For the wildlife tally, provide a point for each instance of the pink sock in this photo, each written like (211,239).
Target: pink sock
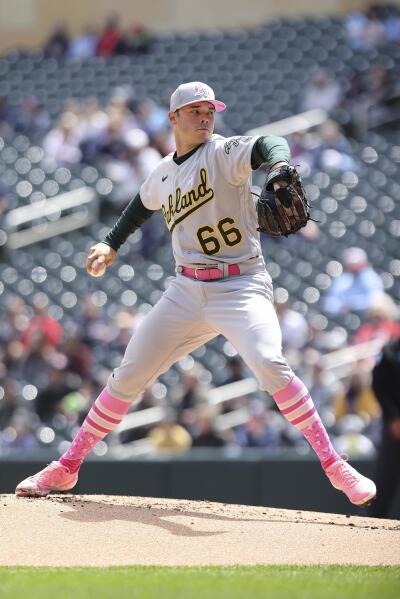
(295,403)
(106,412)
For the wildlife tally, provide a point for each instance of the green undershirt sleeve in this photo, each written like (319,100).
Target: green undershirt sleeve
(133,217)
(269,149)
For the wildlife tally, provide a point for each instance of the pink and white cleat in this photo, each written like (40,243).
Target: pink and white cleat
(55,477)
(358,488)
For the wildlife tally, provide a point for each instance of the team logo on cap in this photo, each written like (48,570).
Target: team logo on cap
(200,90)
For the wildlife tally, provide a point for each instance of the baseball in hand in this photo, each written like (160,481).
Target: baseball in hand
(98,269)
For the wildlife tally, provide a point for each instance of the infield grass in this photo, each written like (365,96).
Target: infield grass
(255,582)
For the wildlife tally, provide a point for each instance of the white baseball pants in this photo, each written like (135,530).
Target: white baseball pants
(192,312)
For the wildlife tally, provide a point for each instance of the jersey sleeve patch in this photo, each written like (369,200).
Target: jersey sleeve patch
(233,157)
(234,143)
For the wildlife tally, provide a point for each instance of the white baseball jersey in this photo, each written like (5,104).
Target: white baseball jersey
(208,207)
(207,202)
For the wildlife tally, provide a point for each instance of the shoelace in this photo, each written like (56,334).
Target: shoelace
(345,472)
(49,468)
(53,466)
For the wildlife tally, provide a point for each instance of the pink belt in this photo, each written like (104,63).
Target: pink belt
(209,273)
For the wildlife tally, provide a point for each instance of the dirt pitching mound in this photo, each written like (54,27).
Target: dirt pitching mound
(100,530)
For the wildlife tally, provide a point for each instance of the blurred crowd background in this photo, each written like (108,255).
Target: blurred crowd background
(92,112)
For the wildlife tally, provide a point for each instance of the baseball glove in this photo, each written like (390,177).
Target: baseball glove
(286,210)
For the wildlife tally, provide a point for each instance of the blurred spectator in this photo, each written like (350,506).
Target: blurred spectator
(140,154)
(351,438)
(294,327)
(62,143)
(164,141)
(48,328)
(325,149)
(322,390)
(355,28)
(382,95)
(57,44)
(191,391)
(109,38)
(15,321)
(356,288)
(356,398)
(49,399)
(132,168)
(37,361)
(152,118)
(126,139)
(321,92)
(260,430)
(386,385)
(72,106)
(31,117)
(8,401)
(94,119)
(354,106)
(391,23)
(78,355)
(235,370)
(137,40)
(8,116)
(168,435)
(96,326)
(204,431)
(301,147)
(365,29)
(382,321)
(84,46)
(13,357)
(334,152)
(111,141)
(18,436)
(126,322)
(104,131)
(370,99)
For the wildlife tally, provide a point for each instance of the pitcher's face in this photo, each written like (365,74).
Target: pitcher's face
(193,124)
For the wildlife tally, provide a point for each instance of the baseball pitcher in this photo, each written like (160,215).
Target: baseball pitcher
(221,286)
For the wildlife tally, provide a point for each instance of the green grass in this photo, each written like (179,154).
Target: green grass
(277,582)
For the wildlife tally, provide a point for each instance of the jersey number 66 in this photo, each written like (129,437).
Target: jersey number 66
(210,244)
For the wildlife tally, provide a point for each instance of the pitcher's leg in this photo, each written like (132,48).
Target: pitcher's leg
(296,405)
(257,337)
(170,331)
(159,342)
(104,415)
(164,336)
(108,410)
(253,328)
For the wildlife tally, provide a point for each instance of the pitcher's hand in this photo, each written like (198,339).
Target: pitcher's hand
(100,256)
